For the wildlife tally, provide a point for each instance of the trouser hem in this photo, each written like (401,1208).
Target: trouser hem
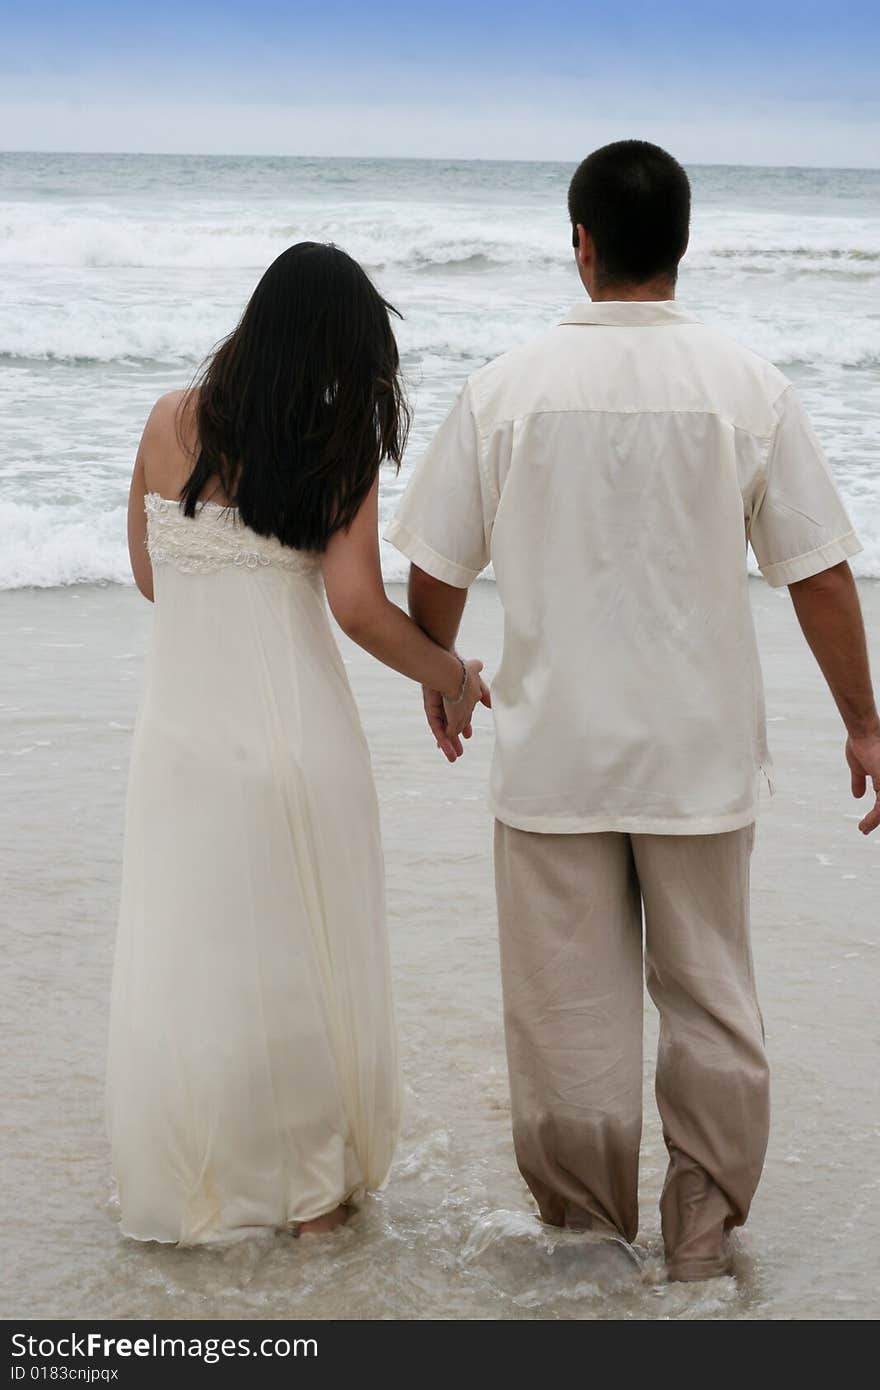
(689,1271)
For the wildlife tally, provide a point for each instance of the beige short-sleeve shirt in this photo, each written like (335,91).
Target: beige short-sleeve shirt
(613,470)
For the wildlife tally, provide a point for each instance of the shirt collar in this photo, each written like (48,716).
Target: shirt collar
(628,313)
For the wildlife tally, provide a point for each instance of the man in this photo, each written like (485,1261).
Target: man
(613,471)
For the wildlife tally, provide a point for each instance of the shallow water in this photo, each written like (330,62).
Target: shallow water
(453,1235)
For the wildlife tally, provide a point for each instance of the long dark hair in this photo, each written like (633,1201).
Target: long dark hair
(299,406)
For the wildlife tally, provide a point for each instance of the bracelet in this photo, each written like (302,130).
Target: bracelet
(464,680)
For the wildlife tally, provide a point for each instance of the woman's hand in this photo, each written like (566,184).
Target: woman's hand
(459,711)
(451,720)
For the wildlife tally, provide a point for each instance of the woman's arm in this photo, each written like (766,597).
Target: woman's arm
(137,528)
(357,598)
(164,460)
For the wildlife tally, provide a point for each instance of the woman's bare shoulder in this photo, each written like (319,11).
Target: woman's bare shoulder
(173,413)
(168,444)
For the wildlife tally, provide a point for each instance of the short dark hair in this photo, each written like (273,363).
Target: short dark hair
(635,201)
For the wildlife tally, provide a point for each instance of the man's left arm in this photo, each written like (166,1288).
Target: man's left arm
(802,537)
(830,615)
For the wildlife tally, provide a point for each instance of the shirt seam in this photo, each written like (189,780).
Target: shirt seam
(486,480)
(771,440)
(636,410)
(787,386)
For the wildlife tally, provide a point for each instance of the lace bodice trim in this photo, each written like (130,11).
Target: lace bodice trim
(214,538)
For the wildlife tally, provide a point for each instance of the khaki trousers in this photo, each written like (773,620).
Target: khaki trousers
(570,917)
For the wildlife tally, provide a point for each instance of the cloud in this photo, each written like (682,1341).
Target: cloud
(754,133)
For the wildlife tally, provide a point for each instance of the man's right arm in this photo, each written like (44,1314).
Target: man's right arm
(830,615)
(442,528)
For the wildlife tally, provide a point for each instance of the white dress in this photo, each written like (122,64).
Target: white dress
(252,1072)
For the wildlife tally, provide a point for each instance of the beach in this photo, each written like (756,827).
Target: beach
(453,1235)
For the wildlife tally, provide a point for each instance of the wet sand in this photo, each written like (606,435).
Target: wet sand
(452,1235)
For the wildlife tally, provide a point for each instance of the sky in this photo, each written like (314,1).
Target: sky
(743,82)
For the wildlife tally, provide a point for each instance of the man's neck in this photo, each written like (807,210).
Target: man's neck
(651,290)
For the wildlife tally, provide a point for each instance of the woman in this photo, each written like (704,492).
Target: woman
(252,1079)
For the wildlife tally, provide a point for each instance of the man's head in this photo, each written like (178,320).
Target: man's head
(630,206)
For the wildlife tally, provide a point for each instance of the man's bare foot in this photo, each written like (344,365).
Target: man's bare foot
(320,1225)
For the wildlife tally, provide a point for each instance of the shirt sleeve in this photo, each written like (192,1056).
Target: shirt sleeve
(444,522)
(799,525)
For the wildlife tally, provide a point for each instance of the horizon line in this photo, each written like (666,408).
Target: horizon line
(419,159)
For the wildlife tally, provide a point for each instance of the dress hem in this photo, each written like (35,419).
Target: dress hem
(214,1235)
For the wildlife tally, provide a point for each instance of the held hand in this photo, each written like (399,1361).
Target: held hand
(449,741)
(436,717)
(459,712)
(863,756)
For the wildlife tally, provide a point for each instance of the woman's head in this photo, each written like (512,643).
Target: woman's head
(300,405)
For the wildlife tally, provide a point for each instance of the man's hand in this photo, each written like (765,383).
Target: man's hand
(863,756)
(448,734)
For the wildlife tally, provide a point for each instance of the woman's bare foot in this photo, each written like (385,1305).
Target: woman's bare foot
(319,1225)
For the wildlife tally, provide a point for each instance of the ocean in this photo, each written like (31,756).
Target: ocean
(121,271)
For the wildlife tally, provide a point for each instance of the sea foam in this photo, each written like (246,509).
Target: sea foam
(410,235)
(46,547)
